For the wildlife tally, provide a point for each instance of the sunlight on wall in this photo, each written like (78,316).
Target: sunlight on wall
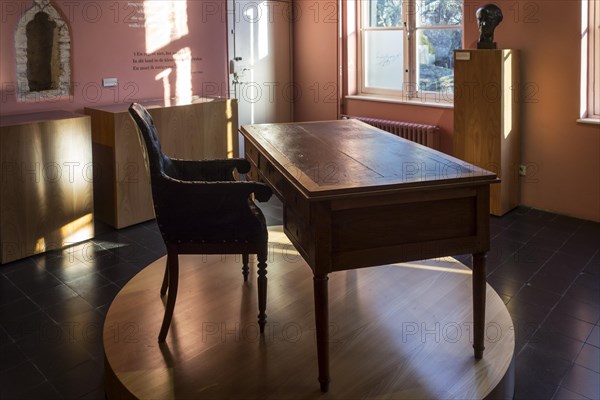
(166,21)
(350,58)
(263,31)
(164,75)
(507,98)
(252,94)
(258,18)
(583,89)
(230,130)
(183,84)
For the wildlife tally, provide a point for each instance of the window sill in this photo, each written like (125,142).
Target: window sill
(591,121)
(396,100)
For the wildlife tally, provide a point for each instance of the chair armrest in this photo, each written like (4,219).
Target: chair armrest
(174,190)
(178,203)
(209,170)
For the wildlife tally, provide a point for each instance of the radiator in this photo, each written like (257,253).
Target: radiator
(427,135)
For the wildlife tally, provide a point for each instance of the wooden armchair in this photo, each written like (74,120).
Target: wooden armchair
(201,209)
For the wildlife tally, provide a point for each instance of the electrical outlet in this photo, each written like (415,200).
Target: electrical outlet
(522,170)
(110,82)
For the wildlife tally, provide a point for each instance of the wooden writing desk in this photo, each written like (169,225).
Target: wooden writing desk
(355,196)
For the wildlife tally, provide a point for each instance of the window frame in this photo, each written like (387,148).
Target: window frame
(410,27)
(593,64)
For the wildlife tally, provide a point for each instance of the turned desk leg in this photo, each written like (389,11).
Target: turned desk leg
(322,324)
(479,295)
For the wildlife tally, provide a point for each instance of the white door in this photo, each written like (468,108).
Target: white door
(260,60)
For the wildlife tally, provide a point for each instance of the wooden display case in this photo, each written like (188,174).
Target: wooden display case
(486,119)
(202,129)
(46,191)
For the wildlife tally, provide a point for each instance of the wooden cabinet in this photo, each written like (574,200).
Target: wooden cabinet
(486,119)
(46,190)
(202,129)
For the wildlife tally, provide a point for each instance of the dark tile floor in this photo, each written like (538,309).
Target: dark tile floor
(546,267)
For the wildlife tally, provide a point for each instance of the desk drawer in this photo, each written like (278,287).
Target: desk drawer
(251,152)
(268,171)
(252,175)
(285,190)
(262,169)
(295,201)
(296,226)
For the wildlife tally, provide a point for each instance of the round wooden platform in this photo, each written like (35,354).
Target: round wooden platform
(397,332)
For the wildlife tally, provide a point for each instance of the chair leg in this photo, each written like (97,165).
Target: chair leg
(245,269)
(262,289)
(173,267)
(165,282)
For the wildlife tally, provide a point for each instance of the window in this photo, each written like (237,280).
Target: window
(407,47)
(590,59)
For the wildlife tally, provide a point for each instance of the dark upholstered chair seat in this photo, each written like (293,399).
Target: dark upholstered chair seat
(201,209)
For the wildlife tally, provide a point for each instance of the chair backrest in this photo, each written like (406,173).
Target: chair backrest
(155,160)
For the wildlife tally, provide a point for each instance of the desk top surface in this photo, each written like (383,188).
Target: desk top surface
(331,158)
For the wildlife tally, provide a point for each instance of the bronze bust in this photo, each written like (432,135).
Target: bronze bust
(489,17)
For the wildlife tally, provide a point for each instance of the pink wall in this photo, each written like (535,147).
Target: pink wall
(104,46)
(563,156)
(316,60)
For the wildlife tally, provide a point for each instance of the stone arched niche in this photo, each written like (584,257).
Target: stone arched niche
(43,51)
